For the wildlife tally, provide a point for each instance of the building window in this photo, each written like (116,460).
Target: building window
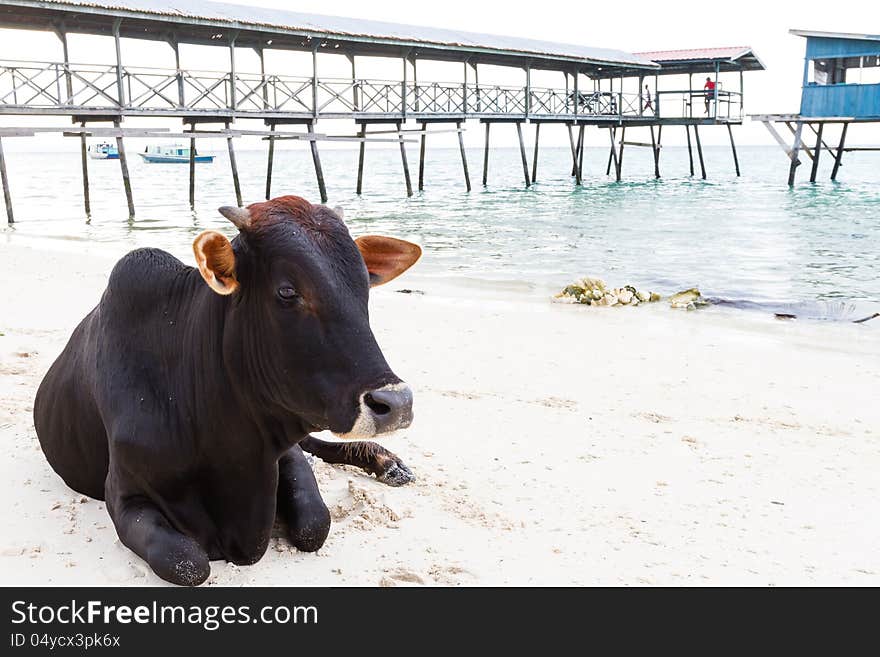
(843,70)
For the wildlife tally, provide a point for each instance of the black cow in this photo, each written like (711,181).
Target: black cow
(185,397)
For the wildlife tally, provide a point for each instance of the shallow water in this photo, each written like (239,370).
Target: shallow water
(750,238)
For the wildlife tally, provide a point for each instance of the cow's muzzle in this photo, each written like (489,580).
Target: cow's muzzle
(382,410)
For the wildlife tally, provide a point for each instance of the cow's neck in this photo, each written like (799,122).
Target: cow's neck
(228,385)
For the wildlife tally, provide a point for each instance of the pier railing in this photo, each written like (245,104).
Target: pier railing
(66,88)
(697,104)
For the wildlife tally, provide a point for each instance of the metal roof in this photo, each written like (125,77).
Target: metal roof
(703,60)
(835,35)
(143,17)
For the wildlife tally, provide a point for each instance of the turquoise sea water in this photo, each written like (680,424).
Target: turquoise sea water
(749,238)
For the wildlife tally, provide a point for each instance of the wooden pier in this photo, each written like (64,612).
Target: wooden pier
(599,88)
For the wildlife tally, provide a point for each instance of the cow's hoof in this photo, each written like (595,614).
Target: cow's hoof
(397,474)
(184,565)
(310,529)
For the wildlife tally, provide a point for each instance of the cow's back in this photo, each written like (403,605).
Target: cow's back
(67,418)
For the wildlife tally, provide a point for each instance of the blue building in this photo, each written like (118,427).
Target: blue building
(841,75)
(841,87)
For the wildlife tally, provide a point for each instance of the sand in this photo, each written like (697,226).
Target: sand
(552,444)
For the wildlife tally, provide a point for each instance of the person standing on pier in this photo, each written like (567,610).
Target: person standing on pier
(709,88)
(649,105)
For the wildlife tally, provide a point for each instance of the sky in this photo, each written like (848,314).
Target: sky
(635,26)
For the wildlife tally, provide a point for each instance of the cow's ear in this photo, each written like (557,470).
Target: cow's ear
(216,261)
(386,257)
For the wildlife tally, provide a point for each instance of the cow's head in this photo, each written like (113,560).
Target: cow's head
(297,335)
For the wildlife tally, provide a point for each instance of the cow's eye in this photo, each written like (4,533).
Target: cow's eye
(287,293)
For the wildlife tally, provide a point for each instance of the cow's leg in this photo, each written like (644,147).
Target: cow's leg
(369,456)
(173,556)
(299,502)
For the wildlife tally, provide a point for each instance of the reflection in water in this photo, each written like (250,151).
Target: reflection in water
(747,238)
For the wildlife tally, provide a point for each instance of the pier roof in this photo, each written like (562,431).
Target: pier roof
(704,60)
(198,21)
(835,35)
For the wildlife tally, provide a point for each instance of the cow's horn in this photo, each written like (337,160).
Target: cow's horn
(238,216)
(340,212)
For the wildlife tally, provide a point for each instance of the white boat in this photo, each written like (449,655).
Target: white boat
(172,153)
(103,151)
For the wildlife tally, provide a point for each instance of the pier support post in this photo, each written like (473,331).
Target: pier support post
(612,132)
(700,151)
(123,165)
(422,157)
(656,150)
(316,159)
(687,130)
(535,155)
(486,156)
(839,155)
(4,179)
(612,154)
(579,156)
(733,149)
(409,191)
(574,153)
(362,133)
(795,149)
(816,153)
(581,149)
(270,163)
(659,147)
(84,157)
(192,168)
(620,154)
(464,164)
(234,167)
(522,153)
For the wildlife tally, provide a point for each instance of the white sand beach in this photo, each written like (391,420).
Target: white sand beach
(552,444)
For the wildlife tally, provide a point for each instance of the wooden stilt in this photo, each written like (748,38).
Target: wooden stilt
(659,147)
(795,149)
(612,154)
(362,133)
(192,169)
(574,152)
(612,132)
(422,158)
(839,155)
(464,164)
(620,154)
(687,129)
(816,153)
(522,152)
(123,165)
(269,164)
(535,155)
(234,167)
(4,179)
(316,159)
(581,150)
(700,151)
(656,152)
(733,149)
(84,157)
(403,160)
(486,156)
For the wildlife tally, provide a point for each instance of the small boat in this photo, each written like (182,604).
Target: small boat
(173,153)
(103,151)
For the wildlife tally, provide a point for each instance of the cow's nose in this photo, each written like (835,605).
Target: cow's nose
(390,406)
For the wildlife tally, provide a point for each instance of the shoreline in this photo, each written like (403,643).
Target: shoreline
(552,445)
